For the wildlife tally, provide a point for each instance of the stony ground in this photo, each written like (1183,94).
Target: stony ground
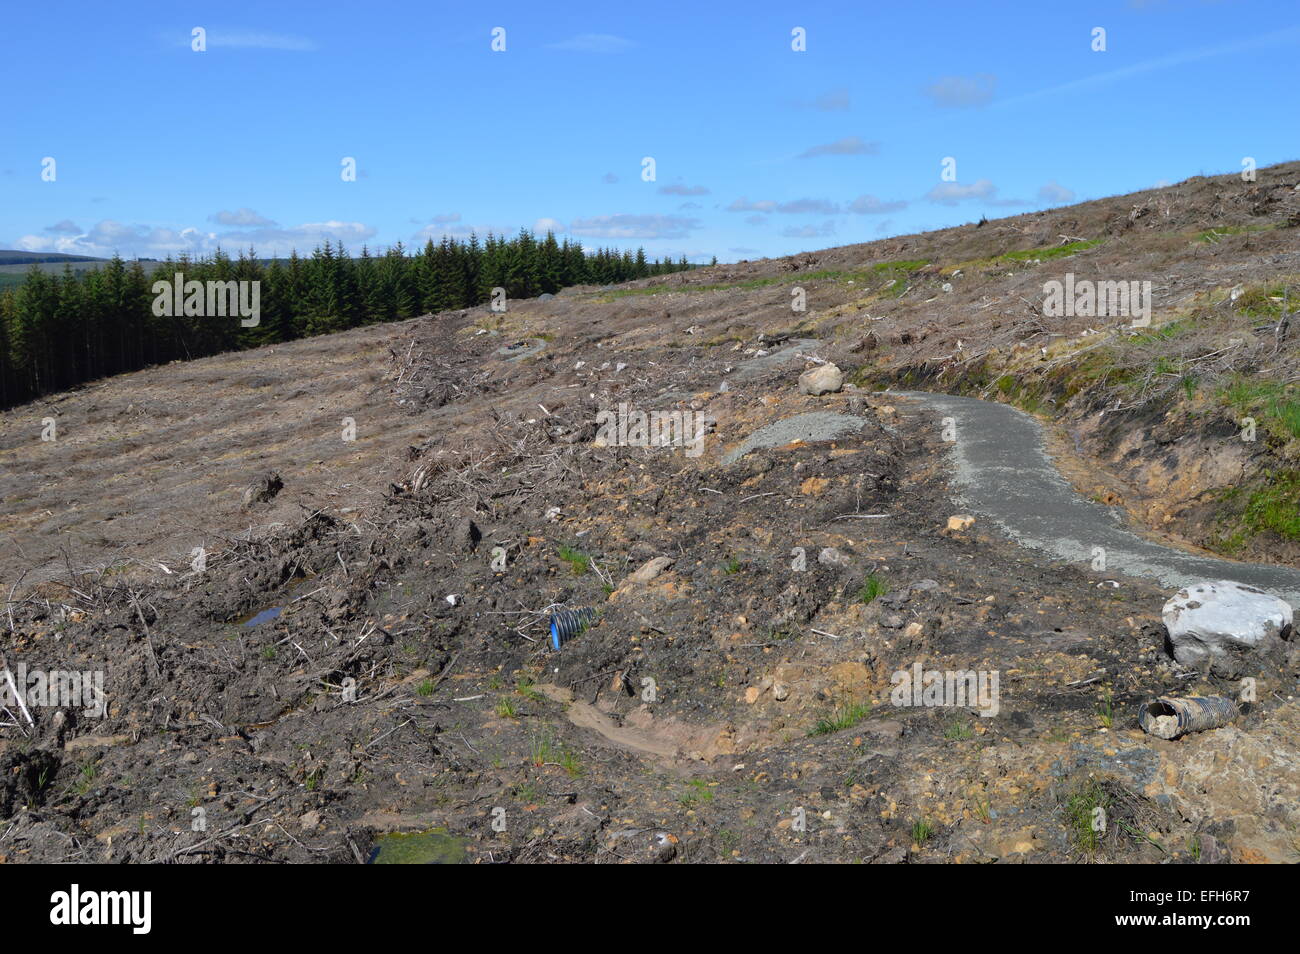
(732,702)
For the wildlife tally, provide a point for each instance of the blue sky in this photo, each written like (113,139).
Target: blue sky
(759,149)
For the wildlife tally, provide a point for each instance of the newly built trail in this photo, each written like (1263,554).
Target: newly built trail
(1002,471)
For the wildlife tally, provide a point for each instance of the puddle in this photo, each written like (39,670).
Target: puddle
(268,614)
(258,617)
(435,847)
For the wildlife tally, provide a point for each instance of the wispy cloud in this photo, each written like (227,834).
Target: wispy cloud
(835,100)
(593,43)
(1261,41)
(848,146)
(221,38)
(1055,194)
(806,206)
(624,226)
(810,231)
(241,217)
(744,205)
(958,92)
(679,189)
(793,207)
(870,205)
(950,193)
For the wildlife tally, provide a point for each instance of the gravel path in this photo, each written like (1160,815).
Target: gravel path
(1003,473)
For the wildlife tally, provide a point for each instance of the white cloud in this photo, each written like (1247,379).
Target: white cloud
(950,193)
(831,101)
(744,205)
(806,206)
(1055,194)
(244,217)
(245,40)
(593,43)
(793,207)
(142,241)
(834,100)
(956,92)
(680,189)
(280,241)
(870,205)
(634,226)
(848,146)
(544,225)
(810,231)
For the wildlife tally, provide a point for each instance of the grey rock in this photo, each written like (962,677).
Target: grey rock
(1225,626)
(825,379)
(830,556)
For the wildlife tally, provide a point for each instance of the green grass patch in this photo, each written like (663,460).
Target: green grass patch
(1082,818)
(958,730)
(845,717)
(1216,235)
(697,791)
(922,831)
(906,266)
(872,587)
(1106,710)
(1265,301)
(578,561)
(1048,252)
(1275,405)
(1275,507)
(525,686)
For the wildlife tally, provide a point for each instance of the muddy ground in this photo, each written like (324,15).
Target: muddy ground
(729,707)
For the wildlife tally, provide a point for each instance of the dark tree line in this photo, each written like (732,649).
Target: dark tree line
(57,331)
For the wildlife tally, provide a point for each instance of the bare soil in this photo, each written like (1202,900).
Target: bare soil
(732,708)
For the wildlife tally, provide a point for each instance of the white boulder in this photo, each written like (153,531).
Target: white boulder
(825,379)
(1222,625)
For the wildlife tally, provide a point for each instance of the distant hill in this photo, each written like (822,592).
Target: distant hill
(14,265)
(13,256)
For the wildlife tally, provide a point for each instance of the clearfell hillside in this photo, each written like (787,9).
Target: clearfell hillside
(783,560)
